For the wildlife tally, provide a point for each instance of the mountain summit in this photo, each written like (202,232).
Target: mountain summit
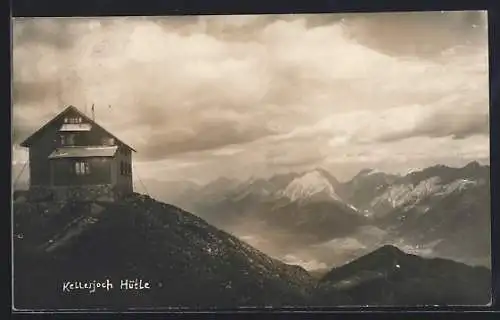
(310,185)
(391,277)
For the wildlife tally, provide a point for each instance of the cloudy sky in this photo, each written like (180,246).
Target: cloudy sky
(240,96)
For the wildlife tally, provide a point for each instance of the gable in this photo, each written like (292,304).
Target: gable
(71,113)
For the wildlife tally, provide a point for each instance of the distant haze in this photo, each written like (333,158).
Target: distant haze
(241,96)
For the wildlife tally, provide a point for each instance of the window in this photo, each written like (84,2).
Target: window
(73,120)
(125,168)
(82,168)
(68,140)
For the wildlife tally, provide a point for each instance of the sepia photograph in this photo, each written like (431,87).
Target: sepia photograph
(225,162)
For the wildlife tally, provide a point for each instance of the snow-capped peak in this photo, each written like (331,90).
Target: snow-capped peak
(308,185)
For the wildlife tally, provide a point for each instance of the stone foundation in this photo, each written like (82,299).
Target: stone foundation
(104,192)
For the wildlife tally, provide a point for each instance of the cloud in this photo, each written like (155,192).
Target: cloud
(442,125)
(206,136)
(32,92)
(49,32)
(423,35)
(287,91)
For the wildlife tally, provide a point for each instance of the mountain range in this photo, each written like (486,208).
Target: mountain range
(436,211)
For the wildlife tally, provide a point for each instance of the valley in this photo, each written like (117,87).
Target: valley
(439,211)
